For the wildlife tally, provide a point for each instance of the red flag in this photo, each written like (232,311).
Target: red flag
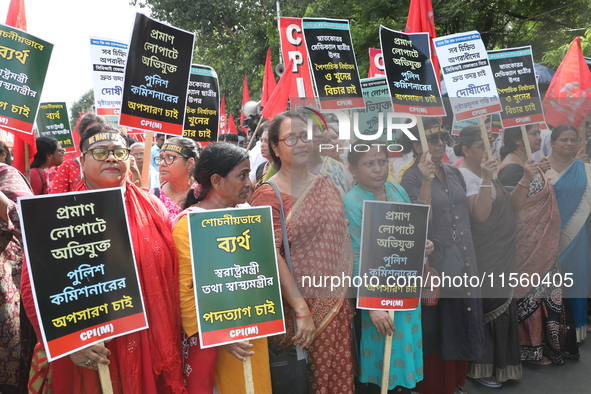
(376,63)
(277,103)
(421,20)
(223,128)
(245,99)
(568,99)
(268,79)
(17,18)
(232,125)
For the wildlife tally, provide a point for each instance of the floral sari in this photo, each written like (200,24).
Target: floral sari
(319,246)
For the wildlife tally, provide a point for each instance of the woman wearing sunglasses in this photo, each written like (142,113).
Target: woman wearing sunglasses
(176,162)
(49,155)
(452,329)
(135,366)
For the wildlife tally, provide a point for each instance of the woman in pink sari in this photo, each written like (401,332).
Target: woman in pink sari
(319,246)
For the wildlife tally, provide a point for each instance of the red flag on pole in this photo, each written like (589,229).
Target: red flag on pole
(223,118)
(277,103)
(421,20)
(268,79)
(245,99)
(232,125)
(17,18)
(568,99)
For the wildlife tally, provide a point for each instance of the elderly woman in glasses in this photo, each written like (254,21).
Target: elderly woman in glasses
(147,361)
(176,162)
(453,329)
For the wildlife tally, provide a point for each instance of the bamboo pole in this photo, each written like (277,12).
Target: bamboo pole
(387,357)
(484,136)
(105,377)
(147,153)
(423,138)
(248,379)
(526,142)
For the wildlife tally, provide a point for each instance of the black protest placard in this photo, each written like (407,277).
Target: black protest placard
(410,73)
(203,105)
(513,70)
(333,63)
(156,77)
(82,268)
(392,253)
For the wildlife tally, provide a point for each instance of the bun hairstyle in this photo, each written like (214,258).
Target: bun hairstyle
(218,158)
(468,135)
(45,146)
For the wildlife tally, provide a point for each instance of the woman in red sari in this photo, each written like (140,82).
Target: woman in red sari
(319,246)
(147,361)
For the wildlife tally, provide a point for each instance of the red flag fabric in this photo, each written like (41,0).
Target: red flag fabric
(568,99)
(17,18)
(277,103)
(223,128)
(245,99)
(232,125)
(421,20)
(376,63)
(268,80)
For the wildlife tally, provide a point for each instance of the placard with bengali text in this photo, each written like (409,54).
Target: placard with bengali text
(392,255)
(82,268)
(108,68)
(53,121)
(203,105)
(235,275)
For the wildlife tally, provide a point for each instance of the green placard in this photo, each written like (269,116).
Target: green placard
(23,65)
(52,121)
(235,275)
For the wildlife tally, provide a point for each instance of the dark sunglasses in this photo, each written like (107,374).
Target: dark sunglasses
(434,138)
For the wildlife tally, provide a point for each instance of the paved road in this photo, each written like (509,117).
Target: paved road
(574,377)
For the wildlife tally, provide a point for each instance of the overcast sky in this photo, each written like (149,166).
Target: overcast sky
(68,24)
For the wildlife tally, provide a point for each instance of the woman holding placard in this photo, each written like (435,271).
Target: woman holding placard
(543,321)
(319,246)
(452,330)
(571,180)
(222,174)
(133,362)
(370,170)
(493,231)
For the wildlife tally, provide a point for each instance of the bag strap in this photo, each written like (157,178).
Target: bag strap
(301,353)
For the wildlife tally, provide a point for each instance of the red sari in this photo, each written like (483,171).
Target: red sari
(147,361)
(319,246)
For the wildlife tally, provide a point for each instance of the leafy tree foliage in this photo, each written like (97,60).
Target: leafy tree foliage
(232,36)
(83,105)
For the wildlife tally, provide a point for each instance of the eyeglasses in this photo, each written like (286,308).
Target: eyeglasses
(567,140)
(434,138)
(138,155)
(291,139)
(101,154)
(62,151)
(168,160)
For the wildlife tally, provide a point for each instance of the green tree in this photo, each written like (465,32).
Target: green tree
(554,58)
(232,37)
(83,105)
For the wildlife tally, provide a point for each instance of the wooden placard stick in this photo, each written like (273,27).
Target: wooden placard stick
(254,134)
(387,357)
(423,138)
(484,136)
(105,377)
(147,154)
(248,380)
(526,142)
(27,163)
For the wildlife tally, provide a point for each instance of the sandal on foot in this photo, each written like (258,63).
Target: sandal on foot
(489,382)
(544,361)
